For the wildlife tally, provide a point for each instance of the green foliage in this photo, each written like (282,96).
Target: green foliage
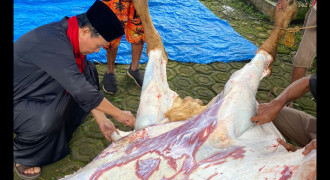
(246,7)
(305,1)
(116,99)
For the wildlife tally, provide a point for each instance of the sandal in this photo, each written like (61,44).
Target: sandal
(20,172)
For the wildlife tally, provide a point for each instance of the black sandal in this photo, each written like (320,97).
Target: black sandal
(20,172)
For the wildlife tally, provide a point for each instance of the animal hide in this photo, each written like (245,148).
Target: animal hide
(220,143)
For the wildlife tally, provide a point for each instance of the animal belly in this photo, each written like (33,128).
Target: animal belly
(217,143)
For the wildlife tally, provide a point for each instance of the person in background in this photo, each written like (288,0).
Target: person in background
(134,34)
(306,52)
(297,126)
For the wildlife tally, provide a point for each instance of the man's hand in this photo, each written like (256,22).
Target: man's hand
(126,117)
(309,147)
(107,128)
(287,146)
(267,112)
(281,4)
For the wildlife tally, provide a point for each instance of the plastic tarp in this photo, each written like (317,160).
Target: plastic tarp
(190,31)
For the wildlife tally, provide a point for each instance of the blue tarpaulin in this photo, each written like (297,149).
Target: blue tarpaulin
(190,32)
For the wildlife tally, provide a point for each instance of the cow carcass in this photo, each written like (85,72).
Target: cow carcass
(219,143)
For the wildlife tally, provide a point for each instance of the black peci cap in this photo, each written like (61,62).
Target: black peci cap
(105,21)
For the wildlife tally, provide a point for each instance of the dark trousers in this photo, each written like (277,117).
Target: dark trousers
(44,128)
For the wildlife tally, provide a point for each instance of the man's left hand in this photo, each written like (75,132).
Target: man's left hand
(308,148)
(287,146)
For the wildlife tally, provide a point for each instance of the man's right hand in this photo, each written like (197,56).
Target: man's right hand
(267,112)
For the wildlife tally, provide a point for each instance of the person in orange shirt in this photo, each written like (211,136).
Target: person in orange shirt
(134,33)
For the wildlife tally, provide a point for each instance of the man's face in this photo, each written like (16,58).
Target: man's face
(88,44)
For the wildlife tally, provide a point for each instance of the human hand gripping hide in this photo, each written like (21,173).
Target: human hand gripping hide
(308,148)
(107,128)
(267,112)
(126,117)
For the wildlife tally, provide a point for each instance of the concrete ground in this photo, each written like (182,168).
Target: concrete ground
(202,81)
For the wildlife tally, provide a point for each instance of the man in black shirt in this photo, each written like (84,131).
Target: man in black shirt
(55,87)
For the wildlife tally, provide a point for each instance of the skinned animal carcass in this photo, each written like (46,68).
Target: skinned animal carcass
(219,143)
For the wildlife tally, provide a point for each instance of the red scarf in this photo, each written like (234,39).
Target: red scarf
(72,32)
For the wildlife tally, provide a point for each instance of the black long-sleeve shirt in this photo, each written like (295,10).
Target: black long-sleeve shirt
(44,65)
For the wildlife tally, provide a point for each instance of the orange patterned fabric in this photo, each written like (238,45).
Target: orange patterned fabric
(126,13)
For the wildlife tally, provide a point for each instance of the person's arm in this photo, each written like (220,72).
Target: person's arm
(294,91)
(268,111)
(106,126)
(125,117)
(57,61)
(308,148)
